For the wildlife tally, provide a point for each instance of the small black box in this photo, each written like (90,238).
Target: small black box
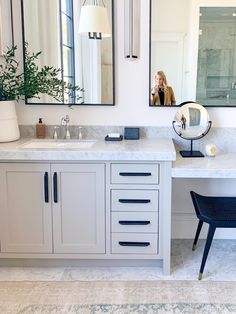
(131,134)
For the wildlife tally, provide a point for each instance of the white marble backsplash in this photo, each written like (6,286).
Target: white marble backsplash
(223,138)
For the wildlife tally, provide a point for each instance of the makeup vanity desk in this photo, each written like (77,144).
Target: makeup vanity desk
(206,176)
(221,166)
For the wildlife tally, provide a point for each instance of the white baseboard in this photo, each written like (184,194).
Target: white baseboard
(184,226)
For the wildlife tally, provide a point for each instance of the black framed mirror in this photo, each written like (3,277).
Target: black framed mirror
(52,28)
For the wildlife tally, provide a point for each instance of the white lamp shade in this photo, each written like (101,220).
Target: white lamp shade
(94,19)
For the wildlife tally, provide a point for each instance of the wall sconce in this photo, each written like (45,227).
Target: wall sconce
(132,29)
(94,21)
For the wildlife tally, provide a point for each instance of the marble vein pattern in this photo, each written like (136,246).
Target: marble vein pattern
(145,149)
(220,166)
(223,137)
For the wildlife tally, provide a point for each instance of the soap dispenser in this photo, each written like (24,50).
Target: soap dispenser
(40,129)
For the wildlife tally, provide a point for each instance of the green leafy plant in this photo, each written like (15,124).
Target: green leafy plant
(34,81)
(10,81)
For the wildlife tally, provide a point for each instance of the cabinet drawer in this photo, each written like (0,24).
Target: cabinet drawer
(134,200)
(135,222)
(135,173)
(134,243)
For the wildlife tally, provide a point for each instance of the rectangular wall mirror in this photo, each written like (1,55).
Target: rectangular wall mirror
(194,44)
(51,27)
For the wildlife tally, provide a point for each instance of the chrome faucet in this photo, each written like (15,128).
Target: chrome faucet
(80,135)
(55,133)
(65,121)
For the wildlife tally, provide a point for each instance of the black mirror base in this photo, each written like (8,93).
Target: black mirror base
(190,154)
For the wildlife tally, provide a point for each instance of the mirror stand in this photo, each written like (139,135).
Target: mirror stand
(192,153)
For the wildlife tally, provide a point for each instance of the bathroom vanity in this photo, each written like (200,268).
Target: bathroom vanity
(104,201)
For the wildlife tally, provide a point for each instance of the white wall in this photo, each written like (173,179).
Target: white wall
(170,16)
(132,88)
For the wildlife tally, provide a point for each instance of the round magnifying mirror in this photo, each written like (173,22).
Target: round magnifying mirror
(191,123)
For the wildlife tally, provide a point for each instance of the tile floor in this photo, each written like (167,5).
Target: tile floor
(221,266)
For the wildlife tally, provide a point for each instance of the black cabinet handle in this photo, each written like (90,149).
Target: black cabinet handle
(133,56)
(46,194)
(135,174)
(140,244)
(134,223)
(55,196)
(133,201)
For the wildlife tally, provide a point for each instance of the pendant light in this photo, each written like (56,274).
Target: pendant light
(94,20)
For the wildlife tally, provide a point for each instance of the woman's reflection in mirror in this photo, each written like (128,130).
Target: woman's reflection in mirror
(183,122)
(161,93)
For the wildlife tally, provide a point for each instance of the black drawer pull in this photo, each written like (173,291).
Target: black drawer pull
(133,201)
(140,244)
(135,174)
(55,196)
(46,194)
(134,223)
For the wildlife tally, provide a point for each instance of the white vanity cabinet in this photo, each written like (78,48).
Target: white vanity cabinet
(79,208)
(110,201)
(52,208)
(25,208)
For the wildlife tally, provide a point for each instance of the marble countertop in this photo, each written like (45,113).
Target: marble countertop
(221,166)
(143,150)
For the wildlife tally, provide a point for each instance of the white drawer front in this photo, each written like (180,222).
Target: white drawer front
(135,173)
(134,243)
(134,200)
(135,222)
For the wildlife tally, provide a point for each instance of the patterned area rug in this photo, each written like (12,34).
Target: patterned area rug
(179,308)
(139,297)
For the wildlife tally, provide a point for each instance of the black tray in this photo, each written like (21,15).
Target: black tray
(113,139)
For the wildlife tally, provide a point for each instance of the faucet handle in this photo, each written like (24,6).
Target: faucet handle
(80,133)
(65,120)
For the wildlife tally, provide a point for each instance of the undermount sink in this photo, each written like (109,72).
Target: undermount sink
(58,144)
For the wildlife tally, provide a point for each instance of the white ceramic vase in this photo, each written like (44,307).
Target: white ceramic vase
(9,129)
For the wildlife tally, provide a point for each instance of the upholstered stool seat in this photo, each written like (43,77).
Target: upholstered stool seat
(218,212)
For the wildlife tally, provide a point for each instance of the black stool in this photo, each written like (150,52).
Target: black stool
(218,212)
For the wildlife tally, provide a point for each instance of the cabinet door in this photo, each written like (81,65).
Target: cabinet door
(79,208)
(25,208)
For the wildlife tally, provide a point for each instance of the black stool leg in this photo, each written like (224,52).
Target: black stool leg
(199,228)
(210,236)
